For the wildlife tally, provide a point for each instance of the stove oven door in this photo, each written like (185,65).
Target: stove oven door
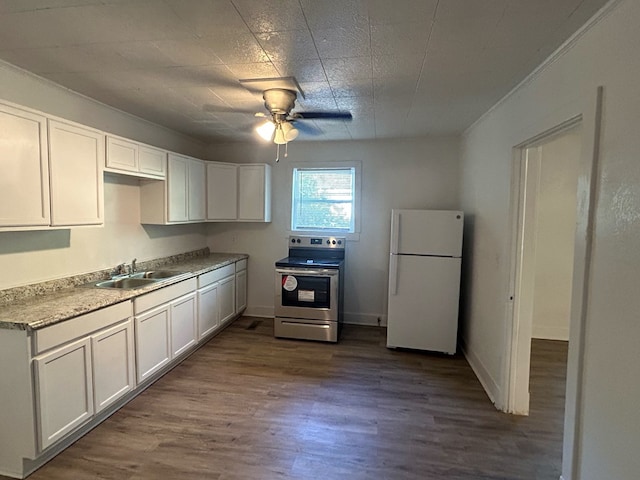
(309,293)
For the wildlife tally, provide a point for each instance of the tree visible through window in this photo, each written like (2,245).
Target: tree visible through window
(323,199)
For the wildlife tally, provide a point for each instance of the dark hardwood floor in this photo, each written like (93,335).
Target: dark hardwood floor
(248,406)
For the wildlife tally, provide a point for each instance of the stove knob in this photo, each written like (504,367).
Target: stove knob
(298,240)
(339,242)
(333,241)
(293,240)
(328,242)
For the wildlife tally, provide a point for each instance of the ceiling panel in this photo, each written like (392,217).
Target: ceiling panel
(408,68)
(288,46)
(271,15)
(343,42)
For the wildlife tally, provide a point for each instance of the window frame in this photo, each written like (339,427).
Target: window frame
(336,165)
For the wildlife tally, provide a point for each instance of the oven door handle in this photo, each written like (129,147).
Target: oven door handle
(308,271)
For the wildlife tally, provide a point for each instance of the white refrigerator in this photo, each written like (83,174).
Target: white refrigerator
(424,279)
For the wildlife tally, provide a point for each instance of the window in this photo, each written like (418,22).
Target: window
(324,199)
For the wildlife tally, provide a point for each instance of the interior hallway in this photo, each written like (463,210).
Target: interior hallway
(248,406)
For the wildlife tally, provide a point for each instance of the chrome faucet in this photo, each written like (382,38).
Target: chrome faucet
(132,267)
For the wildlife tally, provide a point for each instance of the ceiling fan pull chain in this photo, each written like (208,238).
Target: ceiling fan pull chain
(286,150)
(277,153)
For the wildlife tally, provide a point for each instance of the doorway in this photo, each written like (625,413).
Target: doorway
(548,168)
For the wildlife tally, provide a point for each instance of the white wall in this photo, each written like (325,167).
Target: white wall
(608,426)
(555,232)
(30,257)
(395,174)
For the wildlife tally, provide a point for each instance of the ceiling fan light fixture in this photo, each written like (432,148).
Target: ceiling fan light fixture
(266,129)
(289,131)
(279,137)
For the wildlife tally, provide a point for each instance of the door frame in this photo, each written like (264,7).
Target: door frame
(526,184)
(515,395)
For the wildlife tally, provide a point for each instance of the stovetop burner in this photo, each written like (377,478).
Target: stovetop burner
(325,252)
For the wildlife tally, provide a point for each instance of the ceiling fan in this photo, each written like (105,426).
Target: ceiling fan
(282,124)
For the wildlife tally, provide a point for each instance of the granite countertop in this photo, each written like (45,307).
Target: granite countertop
(37,306)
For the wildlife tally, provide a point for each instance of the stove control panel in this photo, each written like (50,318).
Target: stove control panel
(296,241)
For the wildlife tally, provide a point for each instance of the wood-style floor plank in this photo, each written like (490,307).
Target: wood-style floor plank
(248,406)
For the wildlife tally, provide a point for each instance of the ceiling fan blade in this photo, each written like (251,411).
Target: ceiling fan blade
(307,128)
(323,115)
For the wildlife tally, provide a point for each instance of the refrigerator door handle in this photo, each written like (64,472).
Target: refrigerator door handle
(393,274)
(395,231)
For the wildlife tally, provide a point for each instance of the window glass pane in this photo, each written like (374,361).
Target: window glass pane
(323,199)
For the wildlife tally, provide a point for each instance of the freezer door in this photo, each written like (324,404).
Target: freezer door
(423,311)
(427,232)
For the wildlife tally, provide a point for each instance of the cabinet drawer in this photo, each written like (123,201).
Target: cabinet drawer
(163,295)
(241,265)
(215,275)
(81,326)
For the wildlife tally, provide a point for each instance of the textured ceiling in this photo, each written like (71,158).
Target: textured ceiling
(401,67)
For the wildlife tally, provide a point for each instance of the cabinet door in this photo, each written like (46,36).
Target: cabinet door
(208,314)
(64,391)
(254,193)
(113,364)
(197,186)
(227,298)
(241,291)
(177,188)
(76,156)
(24,167)
(152,161)
(222,191)
(153,347)
(122,154)
(183,324)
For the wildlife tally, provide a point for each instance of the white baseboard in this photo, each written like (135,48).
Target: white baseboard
(369,319)
(489,384)
(550,333)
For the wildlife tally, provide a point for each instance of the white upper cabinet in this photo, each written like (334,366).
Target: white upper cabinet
(179,199)
(240,193)
(133,158)
(152,162)
(76,156)
(197,184)
(254,193)
(178,188)
(121,154)
(24,178)
(222,191)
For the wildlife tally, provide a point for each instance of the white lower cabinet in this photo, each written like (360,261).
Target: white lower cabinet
(113,363)
(65,378)
(183,324)
(208,313)
(64,390)
(241,286)
(153,347)
(227,298)
(165,326)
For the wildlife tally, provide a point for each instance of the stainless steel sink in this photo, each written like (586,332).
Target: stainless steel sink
(136,280)
(125,283)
